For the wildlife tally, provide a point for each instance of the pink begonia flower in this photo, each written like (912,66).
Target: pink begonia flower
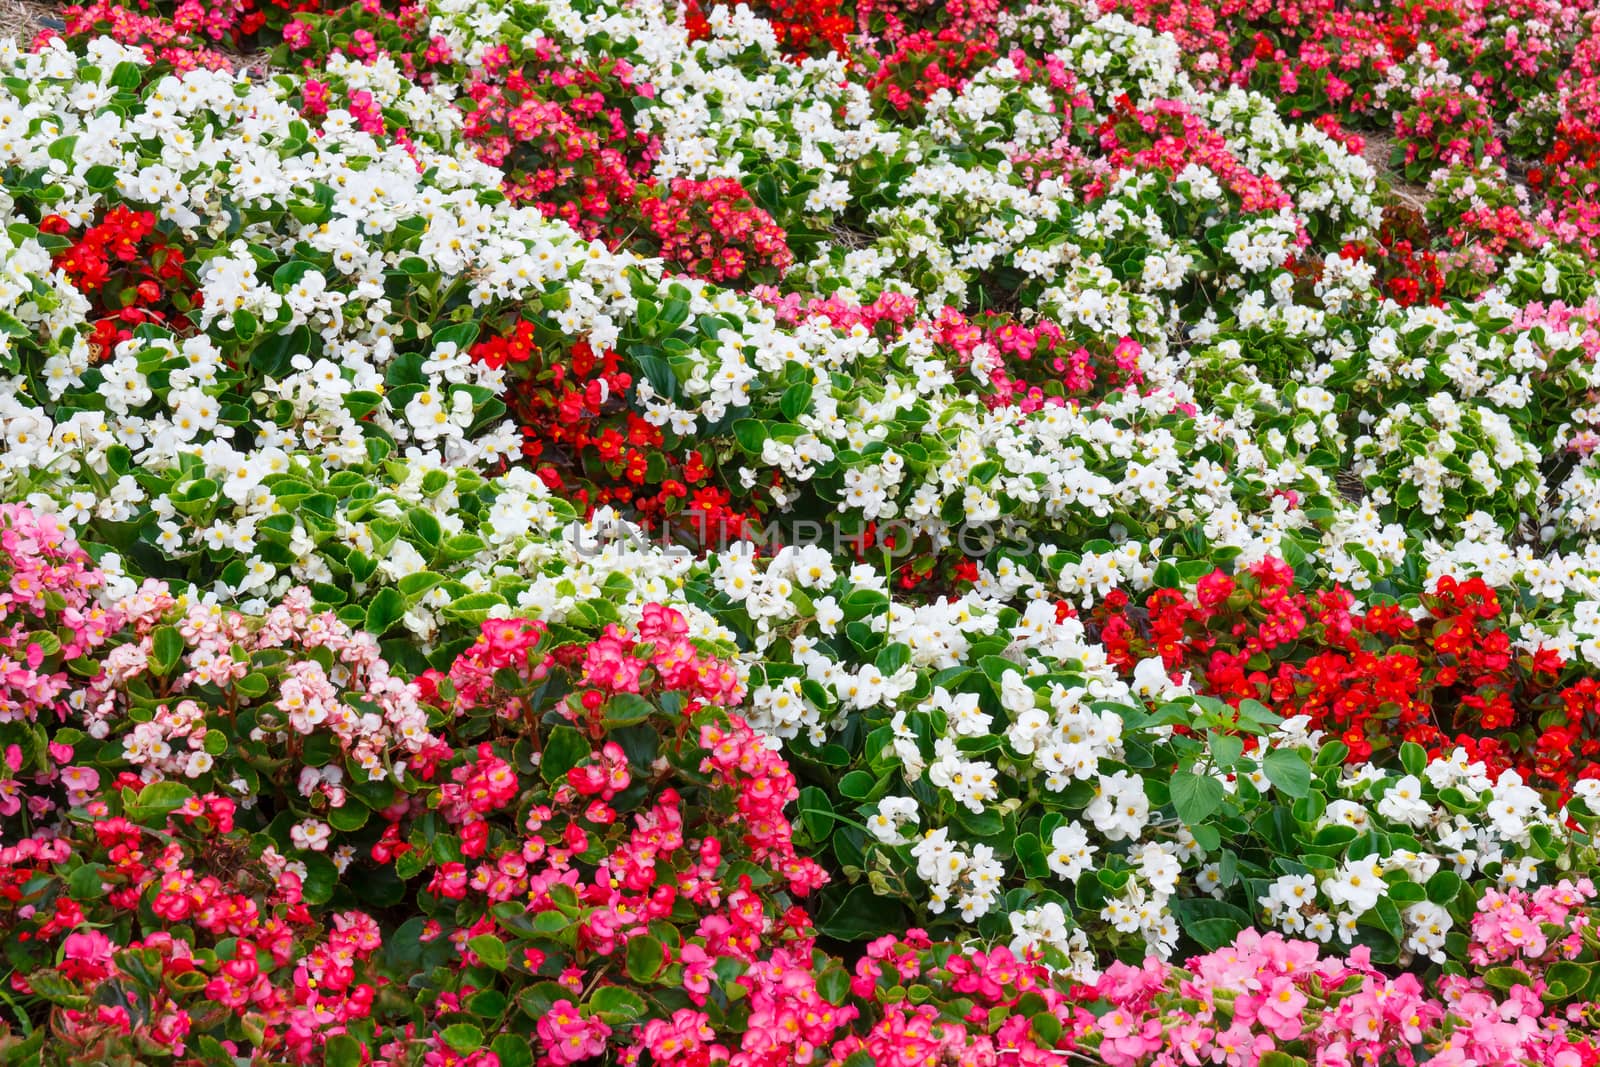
(87,955)
(1282,1010)
(567,1037)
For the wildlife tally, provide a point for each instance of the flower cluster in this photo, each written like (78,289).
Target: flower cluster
(1267,997)
(712,230)
(1375,678)
(131,275)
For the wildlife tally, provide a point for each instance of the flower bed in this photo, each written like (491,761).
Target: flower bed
(884,533)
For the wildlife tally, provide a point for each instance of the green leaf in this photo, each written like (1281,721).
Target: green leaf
(892,658)
(62,148)
(1228,867)
(252,685)
(348,817)
(1257,713)
(1386,915)
(287,275)
(1503,978)
(615,1004)
(1226,749)
(1288,770)
(550,923)
(472,608)
(166,649)
(1332,754)
(491,950)
(1279,1059)
(512,1051)
(1195,797)
(647,957)
(321,878)
(834,984)
(385,610)
(1031,855)
(564,750)
(1407,893)
(816,812)
(1567,978)
(463,1037)
(1212,934)
(462,335)
(127,75)
(626,709)
(85,884)
(795,400)
(487,1004)
(425,526)
(361,402)
(57,990)
(751,434)
(342,1050)
(857,785)
(1443,887)
(410,864)
(1413,757)
(158,800)
(858,914)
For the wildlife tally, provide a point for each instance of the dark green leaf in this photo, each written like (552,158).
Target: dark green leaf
(342,1050)
(166,649)
(463,1037)
(491,950)
(1413,757)
(565,749)
(647,957)
(857,914)
(614,1004)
